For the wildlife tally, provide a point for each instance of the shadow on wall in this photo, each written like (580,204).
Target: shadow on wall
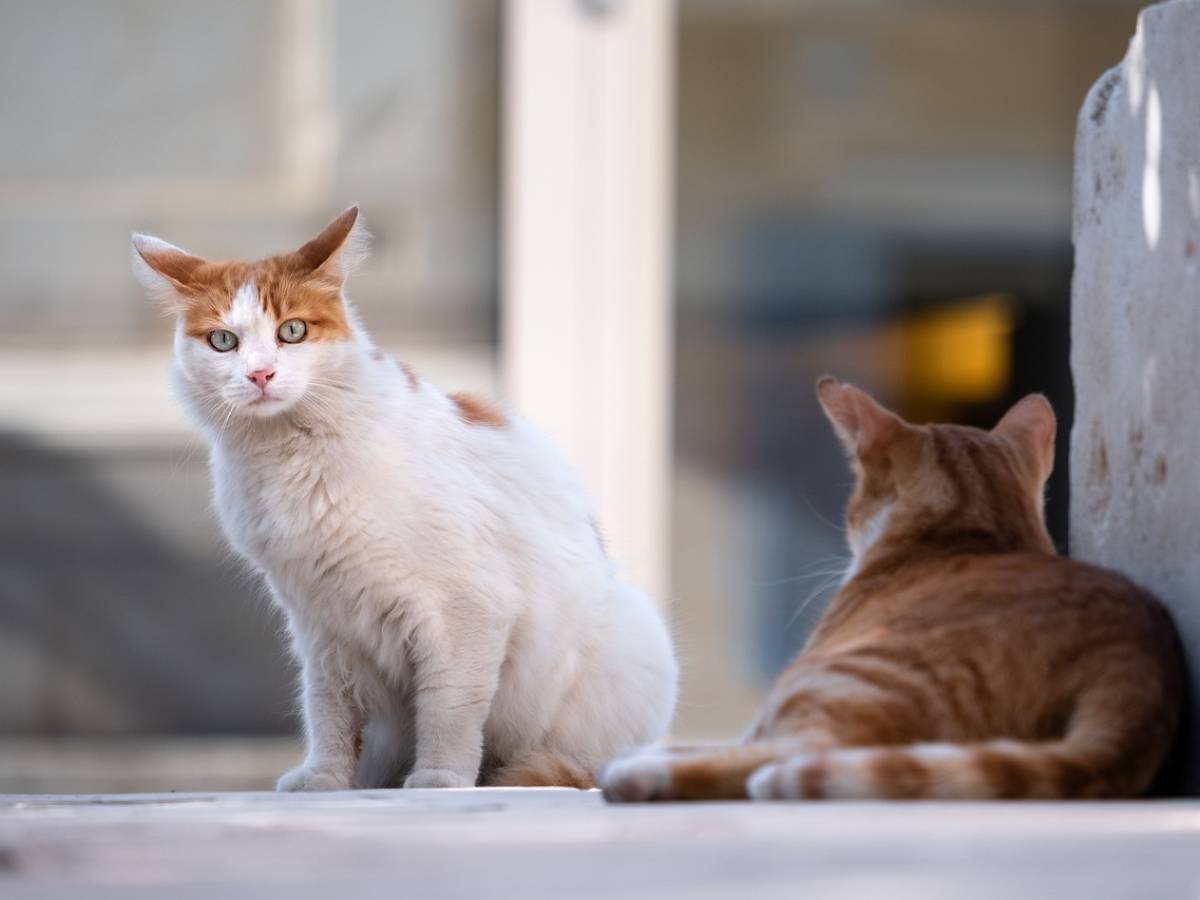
(106,625)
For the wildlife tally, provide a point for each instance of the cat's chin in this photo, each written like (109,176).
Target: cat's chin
(266,407)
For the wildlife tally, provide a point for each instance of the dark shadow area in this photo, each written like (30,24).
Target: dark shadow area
(108,628)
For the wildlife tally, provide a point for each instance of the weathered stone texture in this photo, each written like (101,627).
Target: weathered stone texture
(1135,445)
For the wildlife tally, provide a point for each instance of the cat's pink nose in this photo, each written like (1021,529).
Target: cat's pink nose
(261,377)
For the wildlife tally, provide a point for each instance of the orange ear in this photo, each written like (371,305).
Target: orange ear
(164,270)
(1032,425)
(338,248)
(861,423)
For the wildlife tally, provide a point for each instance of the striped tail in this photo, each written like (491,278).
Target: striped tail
(994,769)
(1103,754)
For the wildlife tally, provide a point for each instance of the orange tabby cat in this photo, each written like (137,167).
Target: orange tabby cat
(962,657)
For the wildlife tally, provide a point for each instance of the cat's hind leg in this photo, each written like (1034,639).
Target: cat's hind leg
(541,768)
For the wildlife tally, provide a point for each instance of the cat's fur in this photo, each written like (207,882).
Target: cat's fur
(446,591)
(962,658)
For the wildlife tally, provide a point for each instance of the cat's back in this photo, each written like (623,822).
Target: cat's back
(1014,637)
(975,646)
(1043,593)
(1035,598)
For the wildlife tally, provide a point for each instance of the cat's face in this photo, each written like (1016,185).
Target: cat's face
(255,339)
(942,483)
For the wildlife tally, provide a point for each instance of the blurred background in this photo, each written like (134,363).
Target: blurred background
(874,188)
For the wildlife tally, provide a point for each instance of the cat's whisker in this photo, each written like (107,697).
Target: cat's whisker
(825,586)
(839,528)
(804,574)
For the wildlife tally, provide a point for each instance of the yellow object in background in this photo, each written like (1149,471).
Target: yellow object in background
(958,354)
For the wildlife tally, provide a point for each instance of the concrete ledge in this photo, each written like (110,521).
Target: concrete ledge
(534,843)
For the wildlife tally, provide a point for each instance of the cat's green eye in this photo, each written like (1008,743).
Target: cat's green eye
(222,341)
(293,331)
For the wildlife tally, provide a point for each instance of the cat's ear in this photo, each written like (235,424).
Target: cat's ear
(1032,425)
(862,424)
(165,271)
(338,249)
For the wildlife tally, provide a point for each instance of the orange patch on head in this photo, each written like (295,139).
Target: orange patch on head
(315,300)
(305,284)
(475,411)
(284,290)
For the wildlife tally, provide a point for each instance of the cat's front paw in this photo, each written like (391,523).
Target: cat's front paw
(304,778)
(437,778)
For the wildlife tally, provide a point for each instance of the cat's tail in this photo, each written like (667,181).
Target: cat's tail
(1001,769)
(991,770)
(542,768)
(1111,749)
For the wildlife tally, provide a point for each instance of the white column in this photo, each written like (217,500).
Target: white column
(586,298)
(1135,325)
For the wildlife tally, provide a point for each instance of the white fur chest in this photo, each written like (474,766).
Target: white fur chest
(275,508)
(351,540)
(316,520)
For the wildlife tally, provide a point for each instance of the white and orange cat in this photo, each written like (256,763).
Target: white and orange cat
(962,658)
(448,597)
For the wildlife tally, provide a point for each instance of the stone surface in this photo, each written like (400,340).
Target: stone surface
(1135,468)
(552,843)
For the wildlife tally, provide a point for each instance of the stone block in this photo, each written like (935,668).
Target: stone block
(1135,307)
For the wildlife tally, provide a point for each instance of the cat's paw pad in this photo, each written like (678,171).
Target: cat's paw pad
(640,776)
(303,778)
(437,778)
